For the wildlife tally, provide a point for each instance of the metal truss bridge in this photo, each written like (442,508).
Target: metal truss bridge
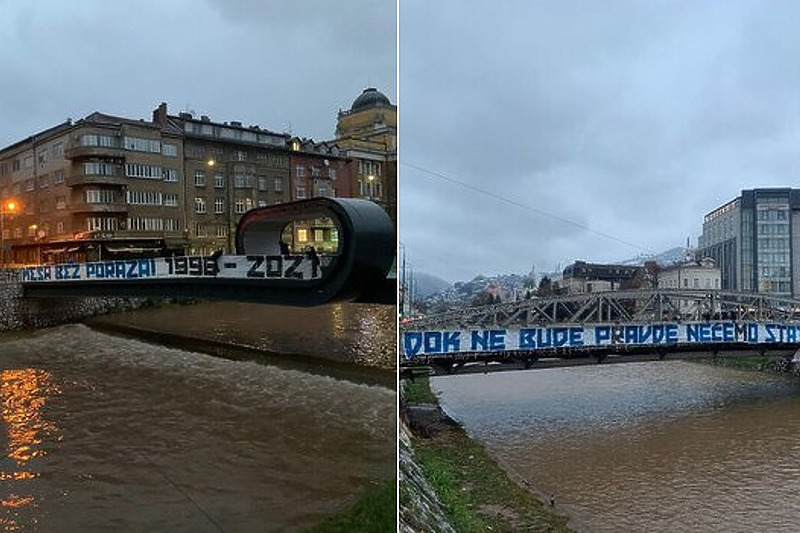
(600,326)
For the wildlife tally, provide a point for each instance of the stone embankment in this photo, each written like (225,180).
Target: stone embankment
(18,313)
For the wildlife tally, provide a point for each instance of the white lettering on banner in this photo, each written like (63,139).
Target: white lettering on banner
(442,343)
(270,267)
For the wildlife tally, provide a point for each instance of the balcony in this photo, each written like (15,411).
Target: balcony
(79,152)
(77,177)
(118,206)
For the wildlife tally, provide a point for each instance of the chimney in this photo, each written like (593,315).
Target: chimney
(160,114)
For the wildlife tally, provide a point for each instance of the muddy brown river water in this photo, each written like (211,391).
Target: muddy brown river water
(102,433)
(660,446)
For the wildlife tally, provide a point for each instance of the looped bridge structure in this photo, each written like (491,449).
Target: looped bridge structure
(263,269)
(597,327)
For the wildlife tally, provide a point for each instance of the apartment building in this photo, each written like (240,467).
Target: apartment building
(100,187)
(112,187)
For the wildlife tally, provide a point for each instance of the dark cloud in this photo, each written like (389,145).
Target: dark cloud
(632,119)
(281,65)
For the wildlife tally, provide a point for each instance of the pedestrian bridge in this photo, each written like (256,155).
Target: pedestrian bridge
(261,271)
(596,327)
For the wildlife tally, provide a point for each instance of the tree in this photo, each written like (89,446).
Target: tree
(545,288)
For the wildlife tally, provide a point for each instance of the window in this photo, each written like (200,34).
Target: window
(15,165)
(27,162)
(302,235)
(97,140)
(222,230)
(316,172)
(240,155)
(58,176)
(219,205)
(135,197)
(170,174)
(300,172)
(301,190)
(99,196)
(60,226)
(319,235)
(169,150)
(172,224)
(170,200)
(61,202)
(58,150)
(138,144)
(151,172)
(145,224)
(262,203)
(199,205)
(278,184)
(243,182)
(200,178)
(101,224)
(240,206)
(219,181)
(99,168)
(262,183)
(332,173)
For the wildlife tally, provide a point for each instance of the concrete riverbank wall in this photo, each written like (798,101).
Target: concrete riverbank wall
(17,312)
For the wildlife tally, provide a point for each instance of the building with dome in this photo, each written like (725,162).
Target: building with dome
(367,134)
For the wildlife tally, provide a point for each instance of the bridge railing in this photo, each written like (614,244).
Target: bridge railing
(620,306)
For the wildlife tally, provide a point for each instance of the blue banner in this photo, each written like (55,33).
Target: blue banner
(443,342)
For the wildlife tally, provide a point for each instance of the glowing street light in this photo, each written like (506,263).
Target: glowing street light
(7,207)
(371,179)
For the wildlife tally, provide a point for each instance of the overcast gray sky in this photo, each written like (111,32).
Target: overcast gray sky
(630,118)
(276,64)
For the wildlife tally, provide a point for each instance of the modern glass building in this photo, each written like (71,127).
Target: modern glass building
(755,241)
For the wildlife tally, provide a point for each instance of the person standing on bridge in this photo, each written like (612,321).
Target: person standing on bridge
(312,255)
(284,247)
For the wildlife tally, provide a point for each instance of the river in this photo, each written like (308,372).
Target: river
(102,433)
(658,446)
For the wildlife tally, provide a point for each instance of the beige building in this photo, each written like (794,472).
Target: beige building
(367,133)
(701,275)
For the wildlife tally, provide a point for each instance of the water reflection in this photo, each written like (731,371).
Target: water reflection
(338,326)
(24,394)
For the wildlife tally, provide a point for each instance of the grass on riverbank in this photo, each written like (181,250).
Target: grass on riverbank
(477,494)
(419,390)
(375,511)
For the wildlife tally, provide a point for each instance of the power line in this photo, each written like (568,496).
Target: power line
(433,173)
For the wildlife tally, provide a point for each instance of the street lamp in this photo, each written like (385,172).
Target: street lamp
(371,178)
(10,207)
